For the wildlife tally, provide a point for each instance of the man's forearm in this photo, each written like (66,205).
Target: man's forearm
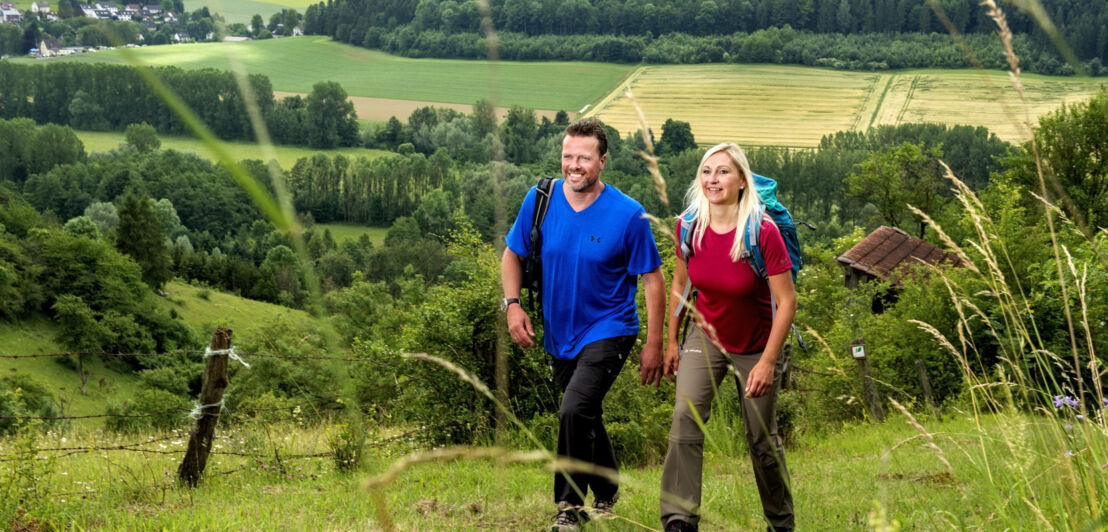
(511,273)
(654,285)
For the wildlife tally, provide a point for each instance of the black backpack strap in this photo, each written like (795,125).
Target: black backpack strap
(543,191)
(532,264)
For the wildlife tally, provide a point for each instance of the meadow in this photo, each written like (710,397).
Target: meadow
(295,64)
(793,106)
(862,477)
(243,10)
(344,232)
(286,156)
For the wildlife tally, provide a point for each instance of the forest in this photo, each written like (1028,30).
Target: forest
(102,97)
(849,34)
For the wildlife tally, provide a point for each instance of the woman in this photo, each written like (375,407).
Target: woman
(738,306)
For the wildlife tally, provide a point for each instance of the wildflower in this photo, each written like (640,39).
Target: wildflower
(1064,401)
(1068,426)
(1080,417)
(1105,401)
(1069,453)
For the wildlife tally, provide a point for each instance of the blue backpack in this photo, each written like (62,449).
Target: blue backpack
(767,192)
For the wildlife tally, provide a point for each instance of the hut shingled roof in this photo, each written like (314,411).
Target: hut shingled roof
(888,249)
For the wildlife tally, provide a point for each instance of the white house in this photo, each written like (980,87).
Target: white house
(40,8)
(9,14)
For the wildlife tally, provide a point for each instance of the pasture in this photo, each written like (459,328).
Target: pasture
(294,64)
(286,156)
(792,106)
(242,10)
(342,232)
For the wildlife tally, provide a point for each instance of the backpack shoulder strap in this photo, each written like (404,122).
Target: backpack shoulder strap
(688,227)
(543,190)
(751,235)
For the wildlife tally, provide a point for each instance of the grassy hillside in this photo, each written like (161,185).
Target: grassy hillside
(343,232)
(205,309)
(295,64)
(36,335)
(286,155)
(202,309)
(776,105)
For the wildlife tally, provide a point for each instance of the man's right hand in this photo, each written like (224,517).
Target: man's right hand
(519,326)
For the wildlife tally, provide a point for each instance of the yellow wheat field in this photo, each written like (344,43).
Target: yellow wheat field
(773,105)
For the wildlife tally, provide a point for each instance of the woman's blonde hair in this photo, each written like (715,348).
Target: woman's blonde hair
(748,199)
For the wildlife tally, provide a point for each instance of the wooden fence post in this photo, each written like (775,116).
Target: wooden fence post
(925,383)
(869,390)
(211,402)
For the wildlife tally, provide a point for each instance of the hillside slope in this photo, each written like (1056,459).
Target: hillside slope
(202,309)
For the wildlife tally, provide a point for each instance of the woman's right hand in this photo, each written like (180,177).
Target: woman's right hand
(671,360)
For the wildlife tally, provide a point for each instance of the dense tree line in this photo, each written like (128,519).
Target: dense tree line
(853,34)
(111,97)
(813,181)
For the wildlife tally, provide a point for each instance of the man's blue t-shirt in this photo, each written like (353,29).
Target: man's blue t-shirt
(591,261)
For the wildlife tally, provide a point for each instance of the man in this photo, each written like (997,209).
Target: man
(596,242)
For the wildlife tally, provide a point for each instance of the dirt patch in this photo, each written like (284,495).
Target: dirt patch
(432,507)
(26,523)
(381,109)
(935,479)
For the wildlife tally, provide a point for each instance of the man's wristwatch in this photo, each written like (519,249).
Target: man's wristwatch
(506,302)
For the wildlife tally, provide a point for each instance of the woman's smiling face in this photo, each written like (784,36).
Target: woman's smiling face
(720,180)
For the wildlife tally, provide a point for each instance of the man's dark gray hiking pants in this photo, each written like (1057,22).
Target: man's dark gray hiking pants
(584,381)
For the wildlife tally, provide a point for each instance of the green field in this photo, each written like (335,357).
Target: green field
(343,232)
(238,10)
(295,64)
(775,105)
(286,155)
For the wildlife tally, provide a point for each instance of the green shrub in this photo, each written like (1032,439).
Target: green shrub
(23,396)
(347,444)
(150,409)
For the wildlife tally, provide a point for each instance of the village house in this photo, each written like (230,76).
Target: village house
(40,8)
(9,14)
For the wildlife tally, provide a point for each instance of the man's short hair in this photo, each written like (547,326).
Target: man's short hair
(589,128)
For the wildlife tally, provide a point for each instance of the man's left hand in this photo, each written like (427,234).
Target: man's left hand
(650,365)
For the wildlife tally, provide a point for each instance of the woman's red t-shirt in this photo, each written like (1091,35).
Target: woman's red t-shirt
(732,298)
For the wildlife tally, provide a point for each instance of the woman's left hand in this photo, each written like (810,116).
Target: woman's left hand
(760,380)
